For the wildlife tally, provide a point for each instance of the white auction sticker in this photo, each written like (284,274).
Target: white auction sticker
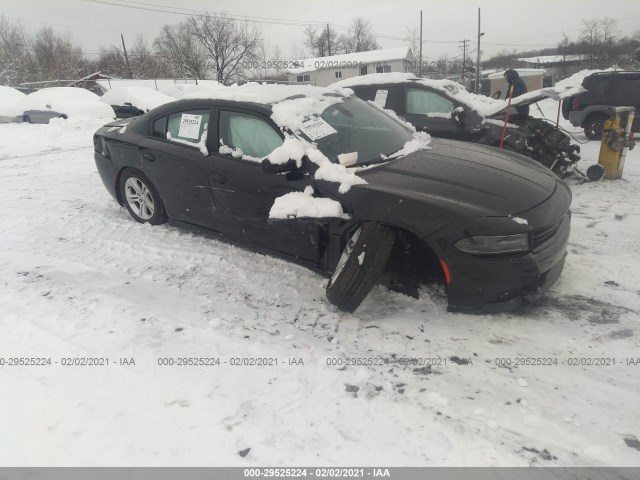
(317,128)
(190,126)
(381,97)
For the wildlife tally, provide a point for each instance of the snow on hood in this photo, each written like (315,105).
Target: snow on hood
(9,99)
(67,100)
(305,205)
(143,98)
(485,106)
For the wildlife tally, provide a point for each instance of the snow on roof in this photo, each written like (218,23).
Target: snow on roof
(371,56)
(141,97)
(482,104)
(553,58)
(9,99)
(156,84)
(523,72)
(67,100)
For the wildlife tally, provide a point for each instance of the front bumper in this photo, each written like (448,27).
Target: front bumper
(502,283)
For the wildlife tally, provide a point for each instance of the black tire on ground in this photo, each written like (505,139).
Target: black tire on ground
(362,261)
(26,119)
(141,198)
(593,126)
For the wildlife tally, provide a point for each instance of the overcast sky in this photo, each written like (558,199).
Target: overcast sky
(520,24)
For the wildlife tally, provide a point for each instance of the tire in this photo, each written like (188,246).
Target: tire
(356,274)
(26,119)
(141,198)
(593,126)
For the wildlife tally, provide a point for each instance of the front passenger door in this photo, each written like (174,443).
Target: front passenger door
(246,194)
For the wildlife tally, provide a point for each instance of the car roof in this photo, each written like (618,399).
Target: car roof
(195,103)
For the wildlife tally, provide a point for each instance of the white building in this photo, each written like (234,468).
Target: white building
(324,71)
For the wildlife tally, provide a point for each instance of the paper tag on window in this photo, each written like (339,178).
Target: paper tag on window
(381,97)
(317,128)
(190,126)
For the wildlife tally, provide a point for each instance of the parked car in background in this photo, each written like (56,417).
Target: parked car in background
(61,102)
(603,90)
(324,179)
(446,109)
(9,99)
(133,101)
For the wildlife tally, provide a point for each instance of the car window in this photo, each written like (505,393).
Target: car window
(424,102)
(160,128)
(188,126)
(254,136)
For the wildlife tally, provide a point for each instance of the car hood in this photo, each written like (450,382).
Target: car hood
(475,179)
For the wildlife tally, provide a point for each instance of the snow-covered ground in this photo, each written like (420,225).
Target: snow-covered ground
(80,279)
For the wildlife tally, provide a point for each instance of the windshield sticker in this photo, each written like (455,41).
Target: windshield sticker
(317,128)
(190,126)
(381,97)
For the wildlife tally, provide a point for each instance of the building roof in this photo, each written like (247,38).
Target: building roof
(544,59)
(371,56)
(523,72)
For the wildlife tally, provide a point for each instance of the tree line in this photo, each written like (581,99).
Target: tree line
(204,46)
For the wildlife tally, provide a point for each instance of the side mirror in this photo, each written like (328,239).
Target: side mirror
(268,167)
(128,104)
(48,106)
(457,115)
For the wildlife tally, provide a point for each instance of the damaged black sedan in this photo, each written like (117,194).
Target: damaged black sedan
(324,179)
(444,108)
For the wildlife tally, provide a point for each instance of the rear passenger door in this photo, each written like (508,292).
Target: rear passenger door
(174,157)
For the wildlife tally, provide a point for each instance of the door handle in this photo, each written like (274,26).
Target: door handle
(149,156)
(219,178)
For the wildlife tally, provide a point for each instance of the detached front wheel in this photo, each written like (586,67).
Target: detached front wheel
(361,263)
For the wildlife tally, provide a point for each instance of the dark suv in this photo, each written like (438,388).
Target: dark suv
(603,90)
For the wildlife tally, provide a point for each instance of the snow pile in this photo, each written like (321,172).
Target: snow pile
(68,100)
(485,106)
(140,97)
(305,205)
(9,100)
(263,93)
(180,90)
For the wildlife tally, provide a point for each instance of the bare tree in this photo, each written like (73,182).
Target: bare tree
(183,53)
(15,57)
(227,43)
(412,38)
(56,56)
(324,43)
(360,38)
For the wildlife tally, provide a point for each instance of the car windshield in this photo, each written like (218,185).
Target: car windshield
(362,133)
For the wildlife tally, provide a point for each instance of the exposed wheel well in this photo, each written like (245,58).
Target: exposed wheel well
(412,261)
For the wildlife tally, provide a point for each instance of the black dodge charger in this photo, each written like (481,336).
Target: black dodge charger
(491,225)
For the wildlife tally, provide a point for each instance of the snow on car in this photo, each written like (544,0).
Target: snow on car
(132,101)
(9,99)
(62,102)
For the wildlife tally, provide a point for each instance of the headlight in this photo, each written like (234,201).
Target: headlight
(491,245)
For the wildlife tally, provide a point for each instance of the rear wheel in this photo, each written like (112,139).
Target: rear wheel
(362,261)
(141,199)
(593,126)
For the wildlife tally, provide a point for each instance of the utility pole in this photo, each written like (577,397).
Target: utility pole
(478,58)
(328,41)
(465,45)
(126,57)
(420,66)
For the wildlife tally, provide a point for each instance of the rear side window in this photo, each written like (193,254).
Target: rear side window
(188,126)
(424,102)
(254,136)
(160,128)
